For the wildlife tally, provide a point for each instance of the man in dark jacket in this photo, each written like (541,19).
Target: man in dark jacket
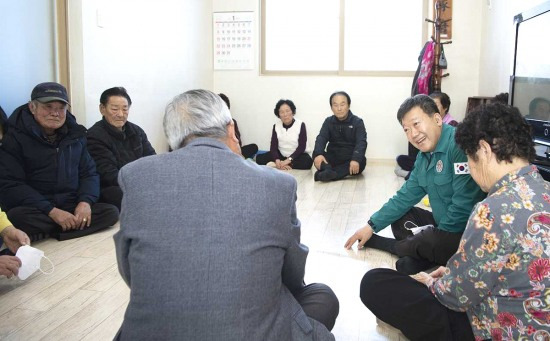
(48,182)
(114,142)
(347,142)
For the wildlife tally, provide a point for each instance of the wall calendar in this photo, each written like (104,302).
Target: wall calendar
(233,40)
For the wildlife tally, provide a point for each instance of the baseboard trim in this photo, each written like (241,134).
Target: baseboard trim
(381,162)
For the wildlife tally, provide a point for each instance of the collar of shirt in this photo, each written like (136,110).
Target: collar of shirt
(346,121)
(121,134)
(290,125)
(529,170)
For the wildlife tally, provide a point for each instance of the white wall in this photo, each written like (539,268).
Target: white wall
(375,99)
(155,49)
(498,38)
(26,49)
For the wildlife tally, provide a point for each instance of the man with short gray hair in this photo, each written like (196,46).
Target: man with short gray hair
(221,237)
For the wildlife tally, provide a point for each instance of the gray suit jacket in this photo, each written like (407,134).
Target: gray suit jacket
(209,245)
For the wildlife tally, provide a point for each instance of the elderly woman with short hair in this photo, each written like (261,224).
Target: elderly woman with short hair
(496,285)
(288,140)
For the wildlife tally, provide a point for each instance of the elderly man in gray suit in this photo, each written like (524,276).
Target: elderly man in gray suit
(209,243)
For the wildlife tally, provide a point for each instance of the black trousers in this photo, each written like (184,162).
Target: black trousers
(319,303)
(429,248)
(341,167)
(405,162)
(409,306)
(249,150)
(39,225)
(303,161)
(111,195)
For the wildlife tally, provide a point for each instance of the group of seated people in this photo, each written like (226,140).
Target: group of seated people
(494,285)
(474,267)
(339,149)
(49,185)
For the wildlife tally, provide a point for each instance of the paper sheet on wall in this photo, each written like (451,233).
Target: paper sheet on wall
(233,33)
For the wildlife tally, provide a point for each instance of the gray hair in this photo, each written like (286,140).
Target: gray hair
(195,113)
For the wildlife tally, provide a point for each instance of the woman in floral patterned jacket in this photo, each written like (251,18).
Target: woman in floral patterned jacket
(497,285)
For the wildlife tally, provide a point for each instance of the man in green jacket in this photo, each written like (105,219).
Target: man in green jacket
(440,171)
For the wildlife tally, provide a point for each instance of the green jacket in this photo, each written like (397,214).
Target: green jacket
(452,196)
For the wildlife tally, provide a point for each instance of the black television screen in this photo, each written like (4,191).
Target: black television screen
(530,80)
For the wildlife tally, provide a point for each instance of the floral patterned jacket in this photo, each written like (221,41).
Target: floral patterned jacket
(500,275)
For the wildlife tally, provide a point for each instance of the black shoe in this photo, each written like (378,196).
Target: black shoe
(326,175)
(38,236)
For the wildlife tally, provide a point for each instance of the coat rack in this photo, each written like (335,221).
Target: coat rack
(438,24)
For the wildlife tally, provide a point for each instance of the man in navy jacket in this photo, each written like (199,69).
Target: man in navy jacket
(48,182)
(347,142)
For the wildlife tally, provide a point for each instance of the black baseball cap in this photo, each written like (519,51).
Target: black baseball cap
(49,92)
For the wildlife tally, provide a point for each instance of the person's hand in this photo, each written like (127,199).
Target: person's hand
(362,236)
(14,238)
(285,165)
(278,163)
(439,272)
(423,278)
(319,159)
(9,266)
(353,167)
(66,220)
(83,214)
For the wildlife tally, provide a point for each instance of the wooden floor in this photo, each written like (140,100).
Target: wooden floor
(85,298)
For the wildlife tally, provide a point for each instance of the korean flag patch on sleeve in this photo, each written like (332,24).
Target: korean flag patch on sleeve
(462,168)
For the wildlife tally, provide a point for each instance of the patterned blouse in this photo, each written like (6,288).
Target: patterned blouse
(500,275)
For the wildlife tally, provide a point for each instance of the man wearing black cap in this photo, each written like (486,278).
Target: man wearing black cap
(48,182)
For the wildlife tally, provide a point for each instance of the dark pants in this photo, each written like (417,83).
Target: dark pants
(249,150)
(302,161)
(39,225)
(405,162)
(409,306)
(427,249)
(340,167)
(319,303)
(111,195)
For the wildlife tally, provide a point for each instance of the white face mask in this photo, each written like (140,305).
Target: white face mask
(30,261)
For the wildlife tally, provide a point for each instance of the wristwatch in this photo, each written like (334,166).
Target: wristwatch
(290,158)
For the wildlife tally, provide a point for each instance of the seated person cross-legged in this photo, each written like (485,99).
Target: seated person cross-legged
(114,141)
(440,172)
(48,181)
(496,284)
(250,284)
(347,142)
(288,140)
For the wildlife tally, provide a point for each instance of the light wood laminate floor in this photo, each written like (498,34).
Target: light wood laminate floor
(85,297)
